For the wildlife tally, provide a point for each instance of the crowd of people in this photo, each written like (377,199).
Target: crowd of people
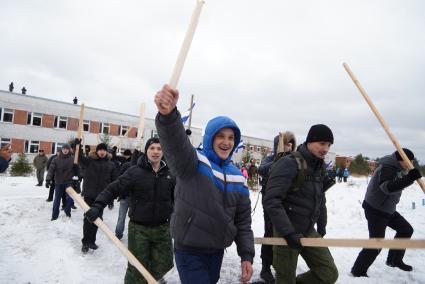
(190,204)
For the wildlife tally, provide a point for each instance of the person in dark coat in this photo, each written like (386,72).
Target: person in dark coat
(40,163)
(150,187)
(24,91)
(61,170)
(212,206)
(295,211)
(99,171)
(263,170)
(5,157)
(382,196)
(122,212)
(11,87)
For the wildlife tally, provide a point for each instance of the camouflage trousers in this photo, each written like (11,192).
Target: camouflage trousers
(152,247)
(318,259)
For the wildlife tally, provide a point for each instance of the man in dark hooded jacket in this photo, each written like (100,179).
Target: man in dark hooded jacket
(212,206)
(267,250)
(382,196)
(295,211)
(99,171)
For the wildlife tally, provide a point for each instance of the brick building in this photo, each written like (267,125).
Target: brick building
(31,123)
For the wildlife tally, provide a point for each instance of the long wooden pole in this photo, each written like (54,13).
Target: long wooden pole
(347,243)
(186,45)
(80,130)
(383,123)
(130,257)
(190,113)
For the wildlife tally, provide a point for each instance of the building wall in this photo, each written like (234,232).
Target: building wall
(47,133)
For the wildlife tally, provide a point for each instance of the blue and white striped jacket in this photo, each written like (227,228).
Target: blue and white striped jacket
(212,205)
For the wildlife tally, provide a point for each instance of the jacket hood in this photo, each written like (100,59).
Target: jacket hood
(94,156)
(213,126)
(390,160)
(288,137)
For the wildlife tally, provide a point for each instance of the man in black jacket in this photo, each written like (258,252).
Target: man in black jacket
(382,196)
(99,171)
(61,170)
(295,210)
(150,187)
(263,170)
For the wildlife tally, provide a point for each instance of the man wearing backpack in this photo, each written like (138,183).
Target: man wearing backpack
(295,201)
(263,170)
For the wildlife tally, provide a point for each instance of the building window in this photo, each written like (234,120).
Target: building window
(104,128)
(61,122)
(34,118)
(4,142)
(251,148)
(86,125)
(32,146)
(6,115)
(154,134)
(258,149)
(123,130)
(56,147)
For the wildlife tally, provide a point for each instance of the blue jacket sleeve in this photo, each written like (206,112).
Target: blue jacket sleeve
(3,164)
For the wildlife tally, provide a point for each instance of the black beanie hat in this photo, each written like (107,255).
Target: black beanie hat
(151,141)
(319,133)
(409,155)
(127,152)
(101,146)
(66,146)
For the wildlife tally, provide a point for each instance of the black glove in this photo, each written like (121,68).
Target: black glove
(414,174)
(75,170)
(188,132)
(77,141)
(93,213)
(48,183)
(321,231)
(294,241)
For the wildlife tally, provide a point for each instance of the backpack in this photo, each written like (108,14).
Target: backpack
(302,174)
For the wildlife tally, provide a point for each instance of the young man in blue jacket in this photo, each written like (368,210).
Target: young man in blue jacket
(212,206)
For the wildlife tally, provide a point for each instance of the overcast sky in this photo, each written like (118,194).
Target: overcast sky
(270,65)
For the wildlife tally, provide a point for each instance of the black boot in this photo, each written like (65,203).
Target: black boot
(85,248)
(93,246)
(400,264)
(358,273)
(267,275)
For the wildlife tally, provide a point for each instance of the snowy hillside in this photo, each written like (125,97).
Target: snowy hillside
(35,250)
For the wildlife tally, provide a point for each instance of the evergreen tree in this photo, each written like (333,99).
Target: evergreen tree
(22,167)
(359,165)
(105,138)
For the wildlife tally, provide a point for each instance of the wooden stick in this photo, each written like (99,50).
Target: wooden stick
(347,243)
(130,257)
(186,45)
(383,123)
(190,113)
(141,130)
(80,130)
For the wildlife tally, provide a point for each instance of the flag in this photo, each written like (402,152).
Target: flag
(240,146)
(186,115)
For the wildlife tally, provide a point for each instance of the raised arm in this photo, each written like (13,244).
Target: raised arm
(178,151)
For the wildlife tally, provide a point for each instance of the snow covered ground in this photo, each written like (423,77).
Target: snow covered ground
(35,250)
